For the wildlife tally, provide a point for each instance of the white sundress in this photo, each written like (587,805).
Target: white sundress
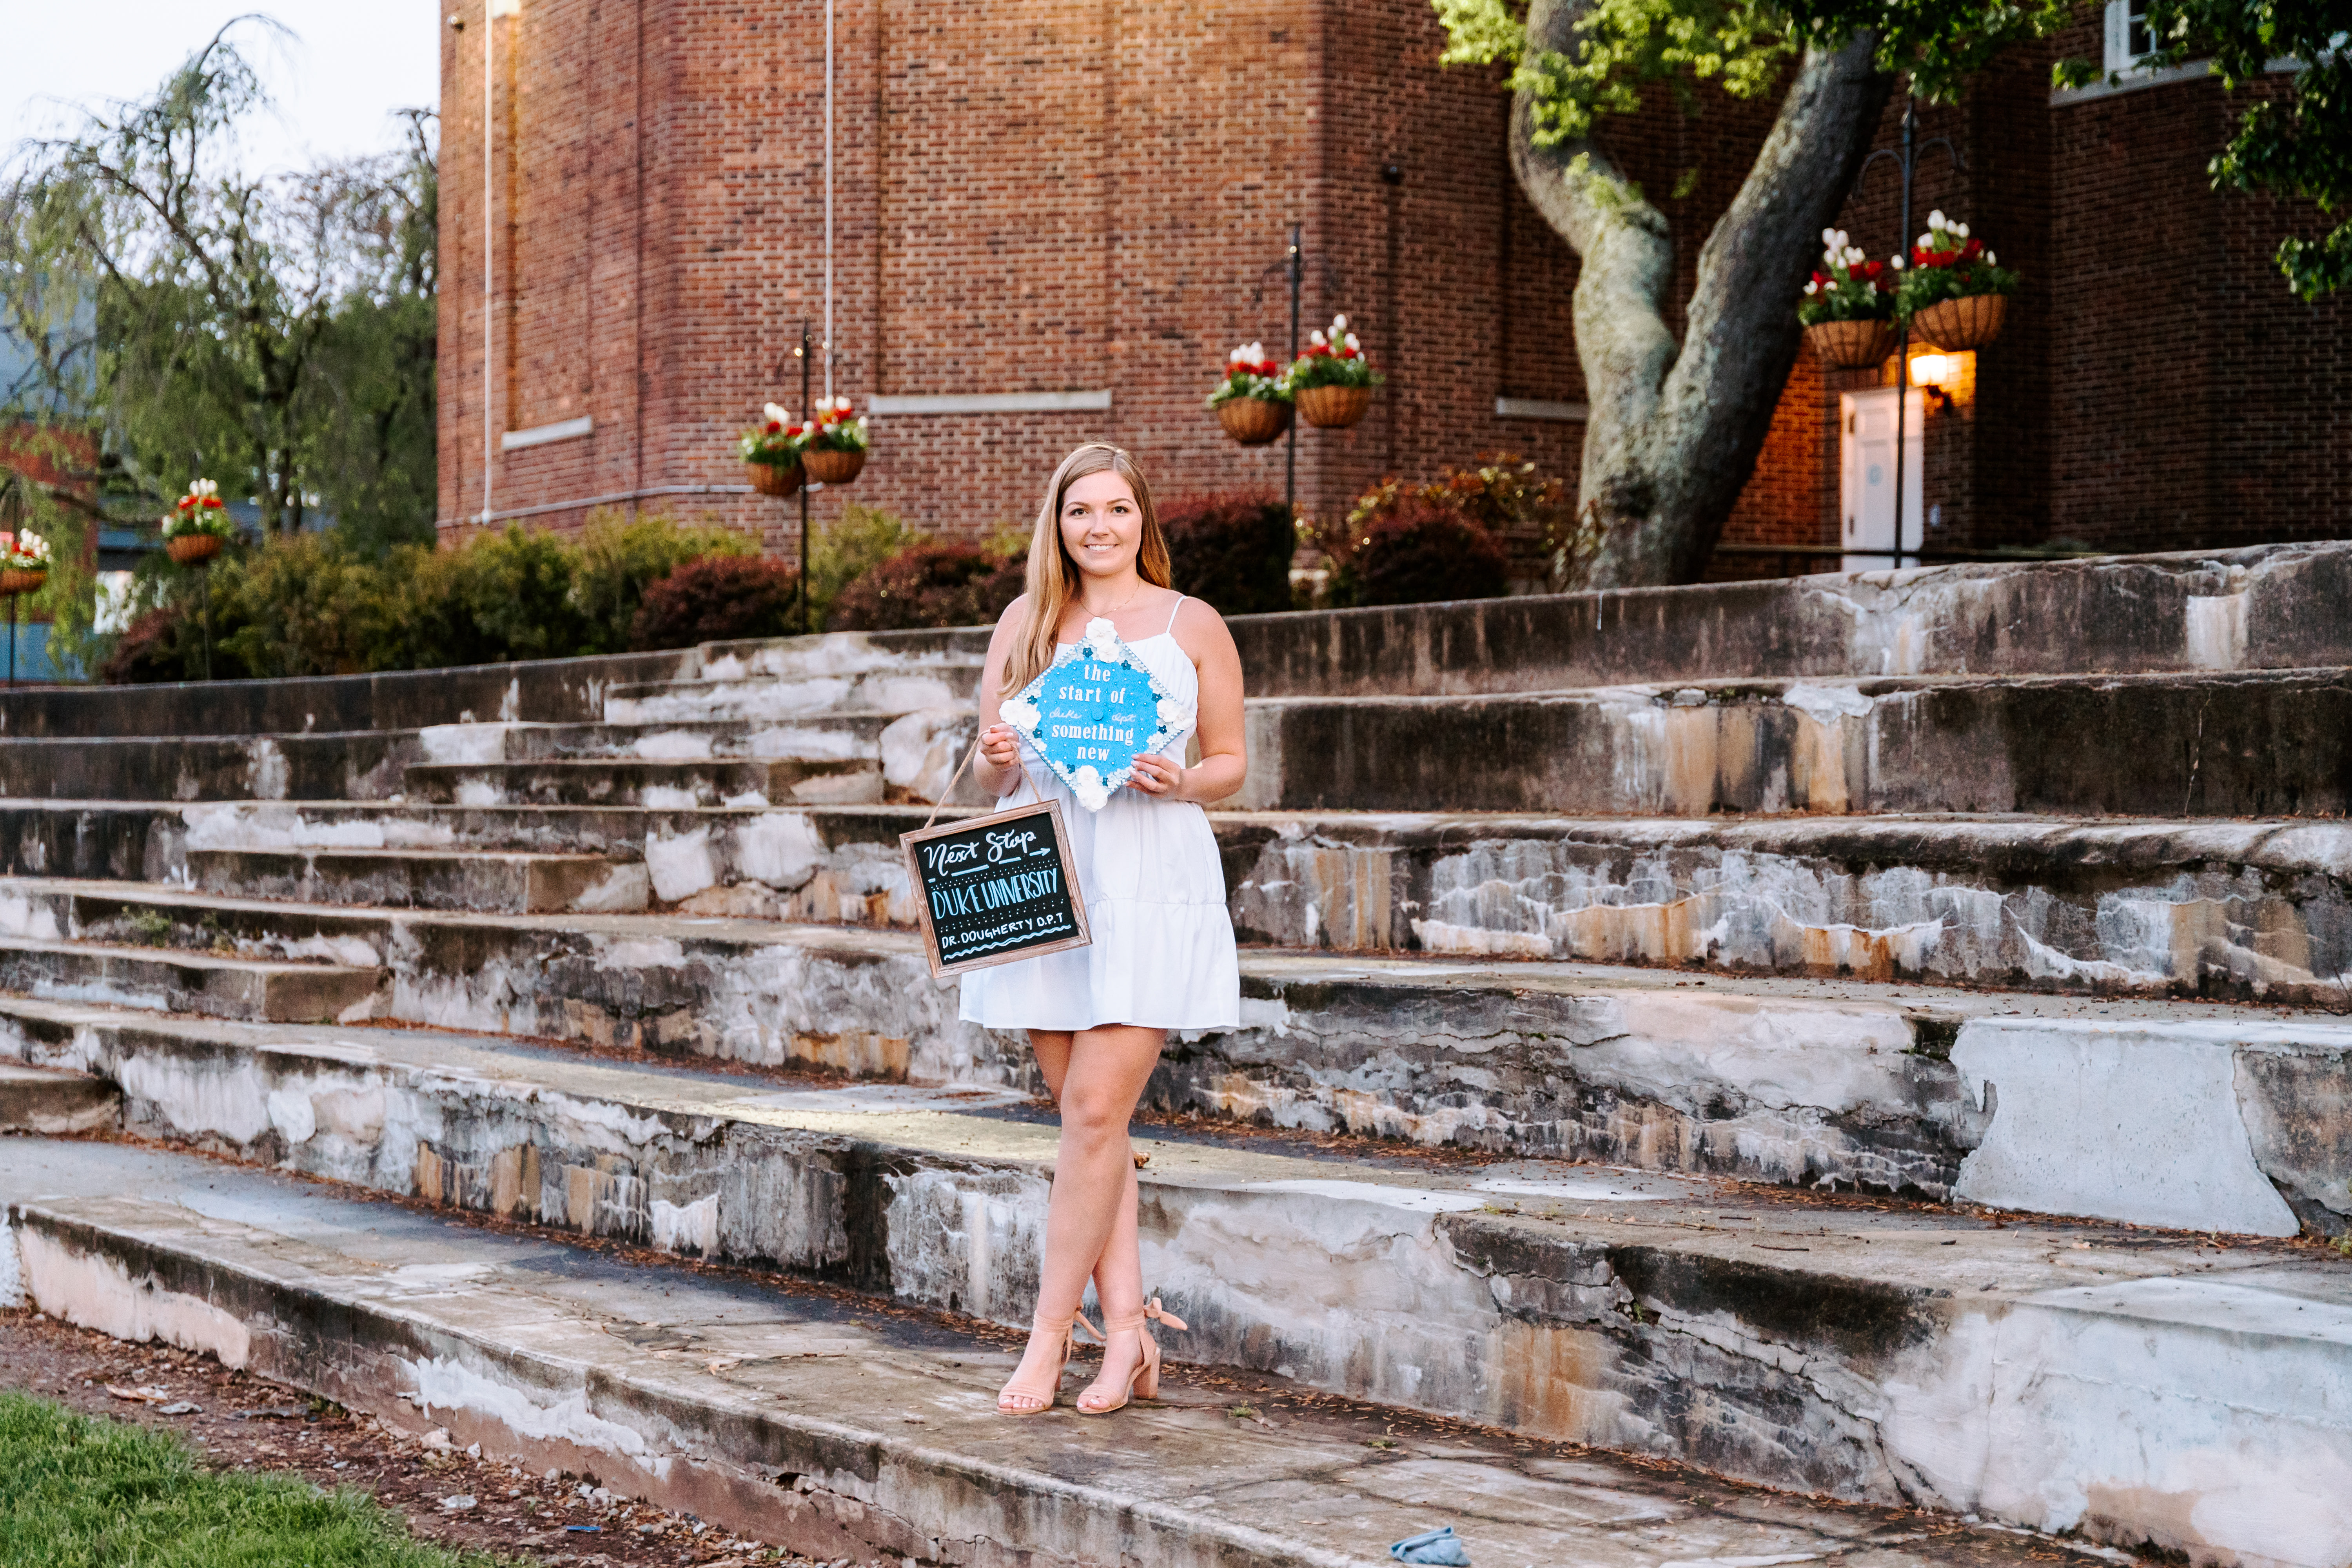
(1162,955)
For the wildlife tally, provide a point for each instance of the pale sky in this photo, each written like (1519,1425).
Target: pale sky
(337,82)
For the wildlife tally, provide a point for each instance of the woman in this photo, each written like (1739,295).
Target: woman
(1162,955)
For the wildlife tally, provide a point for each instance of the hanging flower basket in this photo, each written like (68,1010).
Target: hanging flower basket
(1253,421)
(774,478)
(198,524)
(1969,321)
(828,466)
(1848,309)
(1250,402)
(833,450)
(1851,345)
(1332,381)
(24,562)
(1956,295)
(1334,408)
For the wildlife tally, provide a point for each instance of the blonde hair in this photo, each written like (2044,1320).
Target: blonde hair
(1053,577)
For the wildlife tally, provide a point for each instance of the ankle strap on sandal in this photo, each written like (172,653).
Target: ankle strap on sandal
(1152,1310)
(1046,1324)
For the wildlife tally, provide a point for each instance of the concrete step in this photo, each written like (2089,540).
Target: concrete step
(52,1102)
(2257,910)
(776,1414)
(490,881)
(887,689)
(2266,744)
(362,764)
(2271,607)
(666,785)
(2134,1385)
(2044,1105)
(552,690)
(177,981)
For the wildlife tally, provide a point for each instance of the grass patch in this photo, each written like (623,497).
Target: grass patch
(77,1490)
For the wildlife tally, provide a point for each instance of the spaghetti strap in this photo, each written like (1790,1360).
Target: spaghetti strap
(1171,616)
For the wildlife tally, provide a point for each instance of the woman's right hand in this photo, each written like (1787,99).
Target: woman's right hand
(1000,745)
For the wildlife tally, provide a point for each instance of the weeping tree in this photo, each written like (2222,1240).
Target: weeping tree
(1675,425)
(273,332)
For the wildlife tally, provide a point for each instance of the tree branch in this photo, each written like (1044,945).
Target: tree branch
(1674,433)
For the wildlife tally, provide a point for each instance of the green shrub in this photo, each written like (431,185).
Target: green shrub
(864,538)
(718,598)
(616,559)
(317,605)
(1233,551)
(1512,502)
(930,585)
(1420,553)
(496,597)
(303,606)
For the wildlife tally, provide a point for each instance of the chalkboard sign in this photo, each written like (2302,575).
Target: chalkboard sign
(1093,710)
(995,888)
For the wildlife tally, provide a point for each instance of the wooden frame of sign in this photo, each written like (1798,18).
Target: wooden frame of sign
(953,935)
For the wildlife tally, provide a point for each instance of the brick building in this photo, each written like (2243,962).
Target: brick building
(1050,221)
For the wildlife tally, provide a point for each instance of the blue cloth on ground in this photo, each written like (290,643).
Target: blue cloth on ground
(1442,1548)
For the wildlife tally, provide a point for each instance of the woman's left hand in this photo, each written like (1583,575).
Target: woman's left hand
(1155,775)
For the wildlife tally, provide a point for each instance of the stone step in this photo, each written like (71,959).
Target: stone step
(360,765)
(836,1434)
(2118,1380)
(2258,910)
(53,1102)
(2254,911)
(2270,607)
(665,786)
(820,737)
(2265,744)
(177,981)
(551,691)
(889,689)
(2047,1105)
(487,880)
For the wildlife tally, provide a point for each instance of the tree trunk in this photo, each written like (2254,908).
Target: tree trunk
(1673,434)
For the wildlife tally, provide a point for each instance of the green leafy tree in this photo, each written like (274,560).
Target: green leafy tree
(2296,144)
(1675,424)
(273,332)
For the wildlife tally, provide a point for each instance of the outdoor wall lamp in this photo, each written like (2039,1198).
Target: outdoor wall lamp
(1935,373)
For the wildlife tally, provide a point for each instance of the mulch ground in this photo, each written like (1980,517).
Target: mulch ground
(239,1422)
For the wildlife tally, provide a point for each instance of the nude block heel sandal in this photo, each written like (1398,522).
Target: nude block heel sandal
(1143,1382)
(1052,1393)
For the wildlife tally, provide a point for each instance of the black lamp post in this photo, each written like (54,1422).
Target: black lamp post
(1905,156)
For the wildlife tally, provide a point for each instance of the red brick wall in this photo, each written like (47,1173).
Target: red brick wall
(1056,194)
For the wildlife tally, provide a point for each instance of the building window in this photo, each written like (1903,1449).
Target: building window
(2129,42)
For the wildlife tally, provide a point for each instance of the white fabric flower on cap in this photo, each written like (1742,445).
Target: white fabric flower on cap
(1102,638)
(1088,784)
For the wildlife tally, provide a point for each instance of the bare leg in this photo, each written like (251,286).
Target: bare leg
(1053,1051)
(1097,1076)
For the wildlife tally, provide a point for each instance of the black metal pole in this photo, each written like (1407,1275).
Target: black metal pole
(204,599)
(1290,455)
(12,639)
(1903,328)
(807,414)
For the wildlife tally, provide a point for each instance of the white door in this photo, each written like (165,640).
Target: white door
(1866,483)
